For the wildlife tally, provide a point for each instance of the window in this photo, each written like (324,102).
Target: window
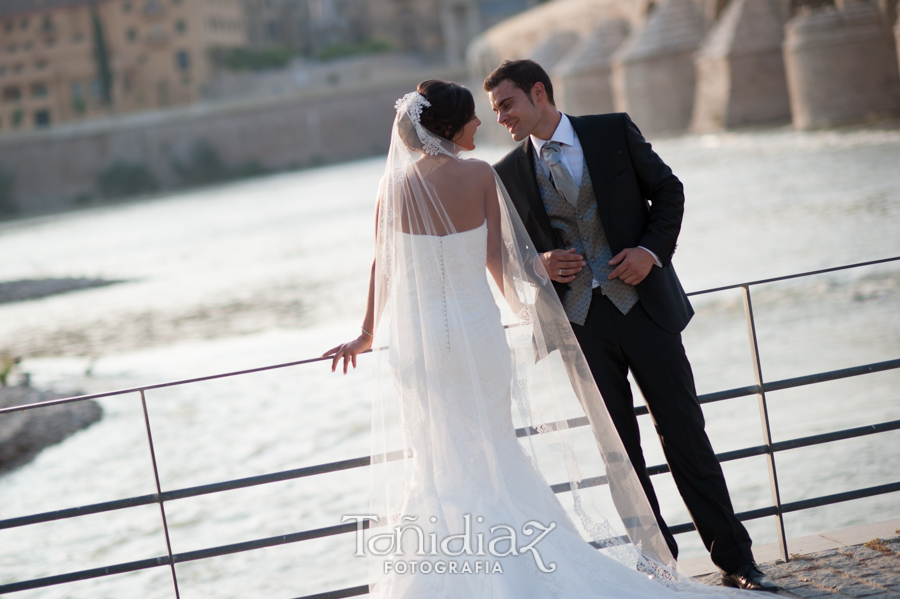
(79,106)
(3,71)
(153,7)
(77,93)
(183,60)
(41,65)
(17,115)
(12,94)
(42,118)
(12,48)
(157,32)
(39,90)
(96,89)
(17,68)
(50,42)
(181,26)
(24,24)
(9,25)
(126,8)
(78,38)
(47,23)
(131,34)
(27,46)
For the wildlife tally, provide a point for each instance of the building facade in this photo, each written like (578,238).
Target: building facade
(306,26)
(440,30)
(66,60)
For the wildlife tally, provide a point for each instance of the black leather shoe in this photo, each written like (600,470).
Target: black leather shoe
(749,577)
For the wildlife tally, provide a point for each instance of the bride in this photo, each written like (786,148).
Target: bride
(460,507)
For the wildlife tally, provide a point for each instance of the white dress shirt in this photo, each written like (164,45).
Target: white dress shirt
(572,159)
(570,148)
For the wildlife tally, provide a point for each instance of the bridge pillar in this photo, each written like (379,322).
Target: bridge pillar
(897,30)
(582,80)
(653,72)
(842,65)
(740,68)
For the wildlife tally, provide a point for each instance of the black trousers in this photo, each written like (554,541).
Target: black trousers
(613,343)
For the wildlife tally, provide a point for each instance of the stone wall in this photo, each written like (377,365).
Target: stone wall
(56,168)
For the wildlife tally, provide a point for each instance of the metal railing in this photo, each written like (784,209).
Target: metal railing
(768,448)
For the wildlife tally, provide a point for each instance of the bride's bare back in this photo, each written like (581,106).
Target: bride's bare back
(461,193)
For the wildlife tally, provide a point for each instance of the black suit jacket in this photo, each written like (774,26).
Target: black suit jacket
(640,202)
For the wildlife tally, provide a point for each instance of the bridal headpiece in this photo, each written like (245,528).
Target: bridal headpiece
(412,104)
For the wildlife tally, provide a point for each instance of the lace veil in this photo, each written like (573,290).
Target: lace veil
(419,442)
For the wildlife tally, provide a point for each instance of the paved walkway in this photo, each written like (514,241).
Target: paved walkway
(870,570)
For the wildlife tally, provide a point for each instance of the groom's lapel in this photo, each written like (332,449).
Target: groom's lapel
(525,168)
(600,163)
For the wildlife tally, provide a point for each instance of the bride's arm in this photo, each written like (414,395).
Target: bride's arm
(494,234)
(349,351)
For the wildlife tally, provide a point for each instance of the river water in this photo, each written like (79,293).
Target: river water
(274,270)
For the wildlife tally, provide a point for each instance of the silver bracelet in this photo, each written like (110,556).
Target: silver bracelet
(367,333)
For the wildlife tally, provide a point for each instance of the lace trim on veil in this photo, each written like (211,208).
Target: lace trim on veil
(412,104)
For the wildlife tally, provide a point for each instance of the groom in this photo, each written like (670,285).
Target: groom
(605,211)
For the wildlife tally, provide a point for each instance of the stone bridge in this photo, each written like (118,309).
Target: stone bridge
(706,65)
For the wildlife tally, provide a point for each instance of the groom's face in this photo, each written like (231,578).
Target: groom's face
(515,109)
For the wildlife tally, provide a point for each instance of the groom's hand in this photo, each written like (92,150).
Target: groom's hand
(562,265)
(633,265)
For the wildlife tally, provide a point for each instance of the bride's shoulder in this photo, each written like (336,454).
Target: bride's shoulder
(477,168)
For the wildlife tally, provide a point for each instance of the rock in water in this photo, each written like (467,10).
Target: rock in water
(24,434)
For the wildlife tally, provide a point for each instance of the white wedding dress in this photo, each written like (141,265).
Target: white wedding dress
(461,469)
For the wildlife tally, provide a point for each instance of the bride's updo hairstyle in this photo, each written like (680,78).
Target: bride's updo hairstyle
(452,106)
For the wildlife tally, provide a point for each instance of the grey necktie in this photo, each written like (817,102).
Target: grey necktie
(562,178)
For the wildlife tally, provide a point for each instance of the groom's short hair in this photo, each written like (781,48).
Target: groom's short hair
(523,74)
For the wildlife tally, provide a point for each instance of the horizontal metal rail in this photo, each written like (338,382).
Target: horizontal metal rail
(803,504)
(231,485)
(340,594)
(63,400)
(795,276)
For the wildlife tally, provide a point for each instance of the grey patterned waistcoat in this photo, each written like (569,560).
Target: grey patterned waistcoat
(580,227)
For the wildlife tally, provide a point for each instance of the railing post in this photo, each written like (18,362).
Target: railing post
(162,508)
(764,421)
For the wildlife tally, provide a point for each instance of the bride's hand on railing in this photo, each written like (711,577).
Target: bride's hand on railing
(348,351)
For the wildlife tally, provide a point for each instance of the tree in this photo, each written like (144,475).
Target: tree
(101,57)
(8,203)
